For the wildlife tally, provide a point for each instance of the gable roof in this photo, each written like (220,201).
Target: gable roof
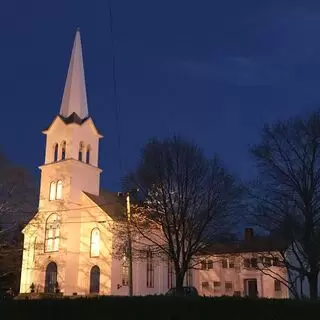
(73,119)
(110,203)
(256,245)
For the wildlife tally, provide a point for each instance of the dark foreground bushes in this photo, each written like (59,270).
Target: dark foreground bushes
(159,308)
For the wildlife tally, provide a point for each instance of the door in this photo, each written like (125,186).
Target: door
(51,278)
(95,279)
(251,288)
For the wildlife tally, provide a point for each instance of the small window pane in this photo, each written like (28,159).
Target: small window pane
(59,190)
(277,285)
(52,194)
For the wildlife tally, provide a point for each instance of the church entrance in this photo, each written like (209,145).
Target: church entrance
(95,279)
(51,278)
(251,288)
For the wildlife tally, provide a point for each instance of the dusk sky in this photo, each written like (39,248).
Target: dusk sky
(212,71)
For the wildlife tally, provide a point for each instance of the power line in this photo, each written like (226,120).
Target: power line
(20,212)
(115,92)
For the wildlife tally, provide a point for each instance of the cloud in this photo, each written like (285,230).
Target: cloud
(240,71)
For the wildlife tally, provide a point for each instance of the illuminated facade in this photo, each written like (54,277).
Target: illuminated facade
(68,244)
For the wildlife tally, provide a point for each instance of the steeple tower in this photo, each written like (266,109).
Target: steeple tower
(72,142)
(75,97)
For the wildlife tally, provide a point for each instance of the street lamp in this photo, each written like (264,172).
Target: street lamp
(128,207)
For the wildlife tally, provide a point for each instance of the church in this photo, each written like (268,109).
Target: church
(68,244)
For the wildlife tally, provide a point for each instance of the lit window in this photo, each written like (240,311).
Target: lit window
(95,243)
(52,194)
(59,190)
(52,233)
(55,152)
(88,154)
(55,192)
(63,150)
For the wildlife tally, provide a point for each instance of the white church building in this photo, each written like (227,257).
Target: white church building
(68,244)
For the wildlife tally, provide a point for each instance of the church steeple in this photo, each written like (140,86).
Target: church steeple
(75,97)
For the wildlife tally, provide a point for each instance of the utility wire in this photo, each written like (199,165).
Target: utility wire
(115,91)
(20,212)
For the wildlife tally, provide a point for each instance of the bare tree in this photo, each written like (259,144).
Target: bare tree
(188,201)
(286,197)
(17,205)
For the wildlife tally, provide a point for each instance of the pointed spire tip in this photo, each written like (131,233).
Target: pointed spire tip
(74,98)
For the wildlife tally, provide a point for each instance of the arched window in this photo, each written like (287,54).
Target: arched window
(95,279)
(52,233)
(88,154)
(59,190)
(81,148)
(63,150)
(51,278)
(52,192)
(95,243)
(55,152)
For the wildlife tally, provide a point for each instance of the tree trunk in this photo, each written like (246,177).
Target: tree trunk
(313,284)
(179,283)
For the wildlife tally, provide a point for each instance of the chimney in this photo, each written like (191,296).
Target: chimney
(248,234)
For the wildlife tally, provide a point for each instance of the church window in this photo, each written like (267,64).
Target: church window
(59,190)
(55,192)
(277,285)
(125,273)
(55,152)
(150,270)
(52,233)
(52,194)
(88,154)
(81,148)
(95,243)
(63,150)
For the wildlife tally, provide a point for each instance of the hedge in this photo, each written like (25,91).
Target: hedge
(159,308)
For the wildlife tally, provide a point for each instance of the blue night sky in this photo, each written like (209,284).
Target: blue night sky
(212,71)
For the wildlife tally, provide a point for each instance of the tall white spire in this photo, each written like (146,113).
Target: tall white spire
(75,97)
